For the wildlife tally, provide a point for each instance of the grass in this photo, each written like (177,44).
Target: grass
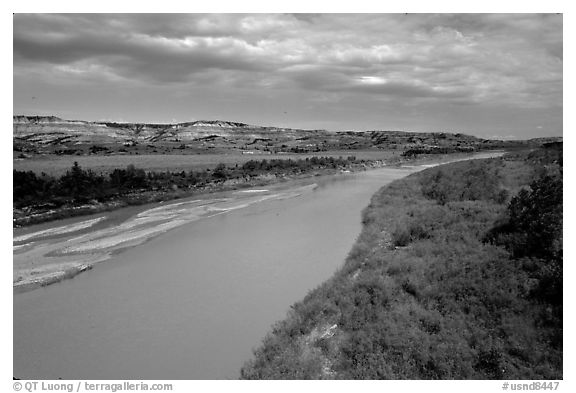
(424,295)
(58,165)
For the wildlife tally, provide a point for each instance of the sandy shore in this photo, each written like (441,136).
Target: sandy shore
(44,257)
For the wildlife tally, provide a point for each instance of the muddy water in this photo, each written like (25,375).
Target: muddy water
(186,290)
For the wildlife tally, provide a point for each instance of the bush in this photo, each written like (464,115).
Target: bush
(532,225)
(400,237)
(474,180)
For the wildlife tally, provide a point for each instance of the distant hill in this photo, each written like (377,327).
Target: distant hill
(51,134)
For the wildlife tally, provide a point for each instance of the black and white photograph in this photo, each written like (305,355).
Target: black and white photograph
(287,196)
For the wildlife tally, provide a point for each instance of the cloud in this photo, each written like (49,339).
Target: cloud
(174,47)
(496,59)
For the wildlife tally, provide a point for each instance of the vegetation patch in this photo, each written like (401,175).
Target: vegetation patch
(79,191)
(457,274)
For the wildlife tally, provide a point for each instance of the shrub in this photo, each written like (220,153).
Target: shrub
(533,223)
(400,237)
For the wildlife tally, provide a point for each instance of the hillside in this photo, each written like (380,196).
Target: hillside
(457,274)
(52,135)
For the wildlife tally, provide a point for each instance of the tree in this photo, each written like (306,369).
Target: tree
(220,172)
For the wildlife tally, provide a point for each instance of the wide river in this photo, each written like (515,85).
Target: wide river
(186,289)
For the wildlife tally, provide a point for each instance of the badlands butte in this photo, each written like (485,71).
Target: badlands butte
(50,135)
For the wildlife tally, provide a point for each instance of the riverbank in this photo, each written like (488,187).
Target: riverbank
(33,214)
(164,186)
(438,285)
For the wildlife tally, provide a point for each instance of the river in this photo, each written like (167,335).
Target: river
(193,287)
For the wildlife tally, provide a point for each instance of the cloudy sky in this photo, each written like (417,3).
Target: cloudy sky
(487,75)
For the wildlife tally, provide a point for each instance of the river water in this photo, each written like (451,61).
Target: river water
(192,300)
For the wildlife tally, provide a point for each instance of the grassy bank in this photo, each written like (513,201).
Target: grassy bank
(457,274)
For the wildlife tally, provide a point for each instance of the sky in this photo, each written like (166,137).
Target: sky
(489,75)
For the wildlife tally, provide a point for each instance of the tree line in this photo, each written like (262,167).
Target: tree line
(80,185)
